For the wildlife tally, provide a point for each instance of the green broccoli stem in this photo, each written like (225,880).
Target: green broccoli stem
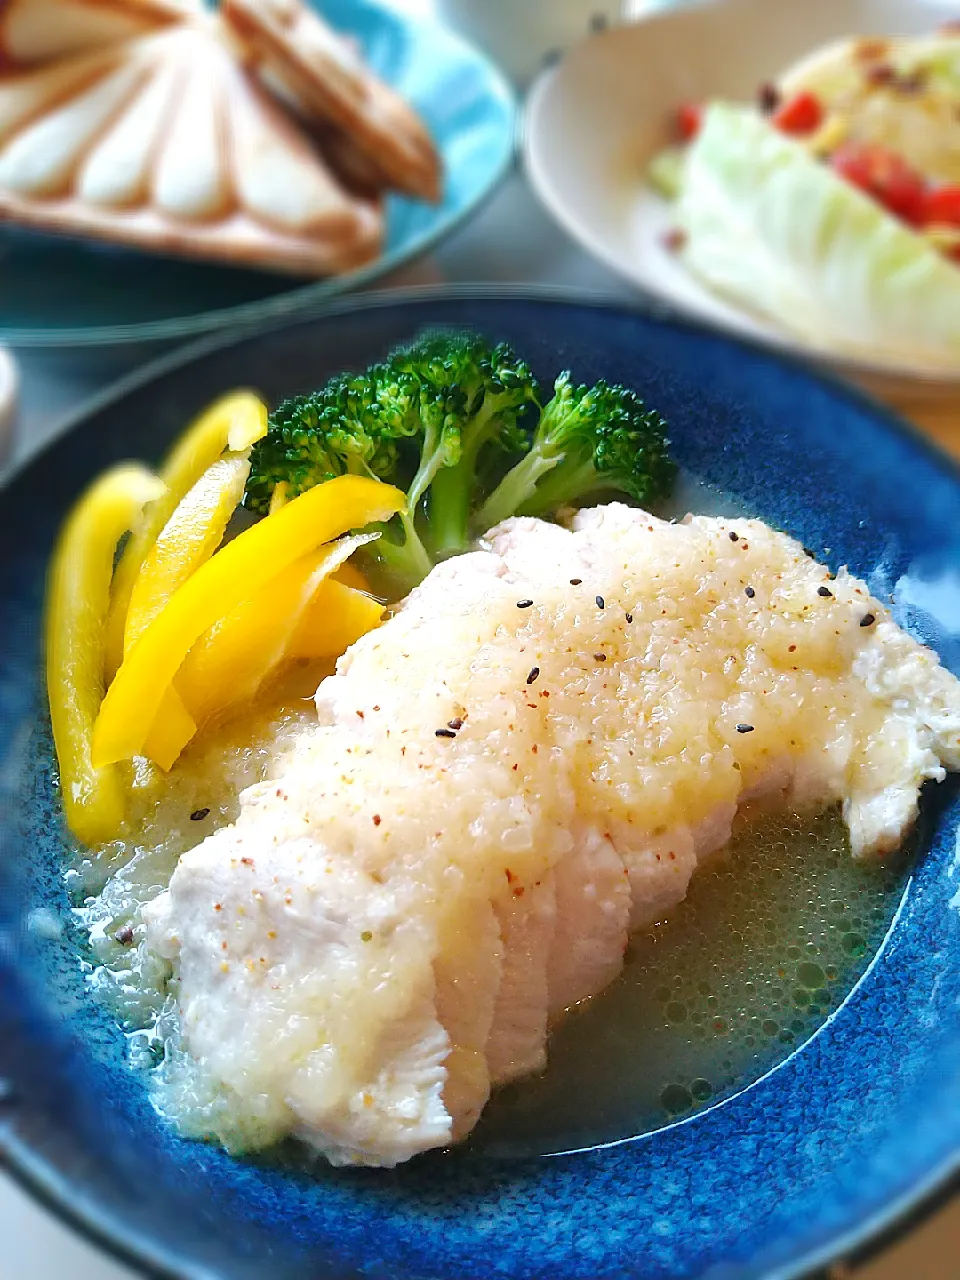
(453,489)
(516,488)
(566,484)
(431,460)
(406,563)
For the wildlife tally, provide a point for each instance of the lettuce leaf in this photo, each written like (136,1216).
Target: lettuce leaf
(771,227)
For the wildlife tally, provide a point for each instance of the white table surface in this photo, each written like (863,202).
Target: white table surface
(511,240)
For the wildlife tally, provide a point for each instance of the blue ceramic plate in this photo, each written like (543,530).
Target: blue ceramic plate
(836,1143)
(57,290)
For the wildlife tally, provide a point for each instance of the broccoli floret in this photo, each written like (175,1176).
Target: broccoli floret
(588,439)
(450,394)
(492,389)
(441,418)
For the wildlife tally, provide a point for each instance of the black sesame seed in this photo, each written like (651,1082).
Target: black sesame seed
(445,733)
(825,592)
(456,723)
(524,604)
(734,537)
(534,672)
(575,582)
(600,602)
(198,815)
(629,617)
(744,728)
(749,592)
(867,620)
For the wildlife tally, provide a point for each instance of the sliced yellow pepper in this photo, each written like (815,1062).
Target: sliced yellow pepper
(335,618)
(232,660)
(351,576)
(187,540)
(217,587)
(77,601)
(235,421)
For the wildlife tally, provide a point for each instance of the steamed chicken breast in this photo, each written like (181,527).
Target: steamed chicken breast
(527,761)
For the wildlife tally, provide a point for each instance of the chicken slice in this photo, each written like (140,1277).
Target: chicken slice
(592,913)
(494,795)
(517,1044)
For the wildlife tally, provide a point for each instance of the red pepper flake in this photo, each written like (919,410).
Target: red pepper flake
(377,819)
(509,874)
(218,906)
(575,582)
(247,862)
(455,723)
(792,648)
(518,892)
(674,239)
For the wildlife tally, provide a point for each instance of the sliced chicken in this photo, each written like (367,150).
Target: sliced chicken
(529,760)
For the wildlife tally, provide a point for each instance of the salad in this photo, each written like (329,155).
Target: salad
(832,204)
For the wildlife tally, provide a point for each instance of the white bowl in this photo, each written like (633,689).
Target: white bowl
(594,121)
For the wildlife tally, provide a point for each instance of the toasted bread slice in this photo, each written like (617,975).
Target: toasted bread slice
(293,47)
(33,31)
(165,142)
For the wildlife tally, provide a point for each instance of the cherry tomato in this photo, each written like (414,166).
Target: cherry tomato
(941,207)
(689,118)
(798,115)
(885,176)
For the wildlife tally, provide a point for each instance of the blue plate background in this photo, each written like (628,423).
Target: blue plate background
(57,290)
(830,1147)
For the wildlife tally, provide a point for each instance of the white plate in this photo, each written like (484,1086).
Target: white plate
(594,121)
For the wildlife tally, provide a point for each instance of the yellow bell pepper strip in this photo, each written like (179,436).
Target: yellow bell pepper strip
(336,617)
(231,661)
(235,422)
(77,600)
(351,576)
(229,577)
(187,540)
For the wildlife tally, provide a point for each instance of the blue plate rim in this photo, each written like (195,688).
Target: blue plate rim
(279,306)
(17,1158)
